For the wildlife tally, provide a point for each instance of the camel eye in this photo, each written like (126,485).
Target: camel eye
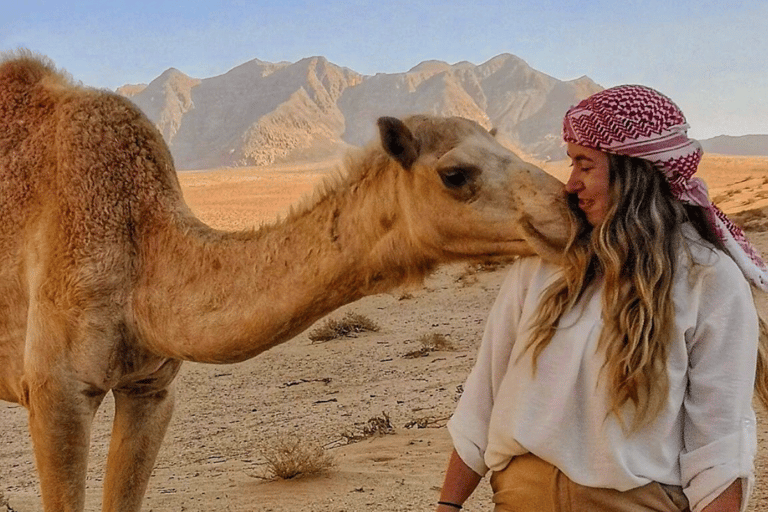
(458,177)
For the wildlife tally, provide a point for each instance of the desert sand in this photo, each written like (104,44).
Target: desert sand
(324,393)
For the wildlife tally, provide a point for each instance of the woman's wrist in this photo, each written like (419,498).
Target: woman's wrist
(450,505)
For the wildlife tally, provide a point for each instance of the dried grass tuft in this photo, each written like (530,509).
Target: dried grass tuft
(351,324)
(430,343)
(376,426)
(293,457)
(436,341)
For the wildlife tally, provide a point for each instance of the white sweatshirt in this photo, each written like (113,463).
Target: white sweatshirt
(703,440)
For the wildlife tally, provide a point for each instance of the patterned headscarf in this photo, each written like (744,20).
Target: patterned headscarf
(638,121)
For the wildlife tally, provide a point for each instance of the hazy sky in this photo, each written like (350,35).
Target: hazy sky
(711,57)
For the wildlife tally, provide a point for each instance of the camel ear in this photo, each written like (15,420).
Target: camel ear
(398,141)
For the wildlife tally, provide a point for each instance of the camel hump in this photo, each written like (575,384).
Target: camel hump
(25,93)
(23,69)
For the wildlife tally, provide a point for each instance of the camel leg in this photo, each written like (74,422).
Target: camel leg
(138,431)
(60,418)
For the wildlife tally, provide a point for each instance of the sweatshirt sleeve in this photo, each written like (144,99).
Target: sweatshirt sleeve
(469,424)
(719,426)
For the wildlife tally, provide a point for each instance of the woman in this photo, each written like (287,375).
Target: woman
(623,380)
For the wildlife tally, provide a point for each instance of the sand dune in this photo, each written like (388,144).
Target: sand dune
(227,416)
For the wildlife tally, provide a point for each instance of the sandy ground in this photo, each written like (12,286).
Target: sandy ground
(228,417)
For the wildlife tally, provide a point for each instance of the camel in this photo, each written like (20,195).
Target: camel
(108,282)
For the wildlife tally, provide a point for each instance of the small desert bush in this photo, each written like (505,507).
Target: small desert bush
(376,426)
(435,341)
(294,457)
(429,344)
(351,324)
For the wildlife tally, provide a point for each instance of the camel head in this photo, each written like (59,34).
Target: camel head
(471,196)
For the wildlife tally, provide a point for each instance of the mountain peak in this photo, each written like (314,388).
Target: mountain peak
(170,72)
(430,66)
(505,58)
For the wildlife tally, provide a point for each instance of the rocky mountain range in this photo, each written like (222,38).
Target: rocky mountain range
(753,145)
(261,112)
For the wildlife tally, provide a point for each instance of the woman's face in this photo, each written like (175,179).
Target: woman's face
(589,181)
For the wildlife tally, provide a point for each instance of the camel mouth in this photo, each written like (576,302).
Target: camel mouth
(550,247)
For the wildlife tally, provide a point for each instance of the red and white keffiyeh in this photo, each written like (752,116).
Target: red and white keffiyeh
(638,121)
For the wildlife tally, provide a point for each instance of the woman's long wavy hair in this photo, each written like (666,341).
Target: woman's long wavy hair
(634,251)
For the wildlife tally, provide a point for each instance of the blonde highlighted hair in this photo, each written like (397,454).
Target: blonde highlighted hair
(634,251)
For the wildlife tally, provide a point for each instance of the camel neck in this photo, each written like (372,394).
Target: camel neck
(210,296)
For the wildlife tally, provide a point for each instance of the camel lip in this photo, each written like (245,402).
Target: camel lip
(499,248)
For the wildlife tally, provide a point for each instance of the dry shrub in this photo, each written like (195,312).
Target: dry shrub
(435,341)
(351,324)
(376,426)
(430,343)
(293,457)
(427,422)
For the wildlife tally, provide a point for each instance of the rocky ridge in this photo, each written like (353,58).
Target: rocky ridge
(260,113)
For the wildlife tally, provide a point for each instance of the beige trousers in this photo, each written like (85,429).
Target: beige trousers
(528,484)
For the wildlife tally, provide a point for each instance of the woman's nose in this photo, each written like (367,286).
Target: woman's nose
(574,184)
